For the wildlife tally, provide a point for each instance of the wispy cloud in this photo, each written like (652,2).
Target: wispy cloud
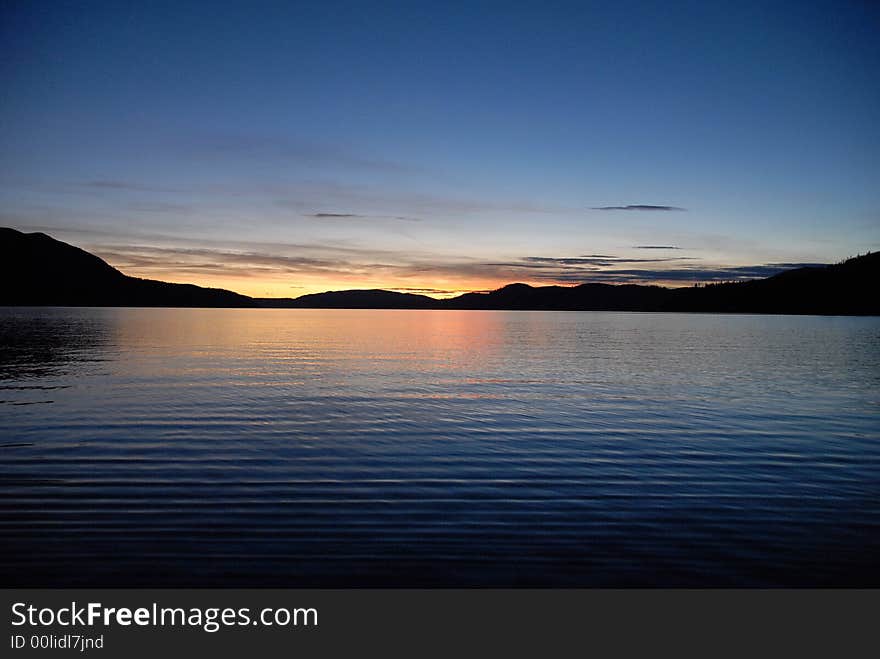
(638,207)
(255,261)
(430,291)
(695,274)
(358,216)
(131,186)
(269,148)
(159,207)
(156,260)
(597,261)
(621,271)
(416,272)
(392,202)
(317,198)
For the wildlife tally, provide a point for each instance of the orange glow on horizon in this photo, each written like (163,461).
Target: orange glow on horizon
(280,286)
(260,271)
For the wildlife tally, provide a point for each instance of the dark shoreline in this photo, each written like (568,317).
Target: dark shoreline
(41,271)
(305,308)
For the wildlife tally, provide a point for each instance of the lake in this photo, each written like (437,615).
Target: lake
(334,448)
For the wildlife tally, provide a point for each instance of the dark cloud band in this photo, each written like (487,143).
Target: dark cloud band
(330,261)
(638,207)
(357,216)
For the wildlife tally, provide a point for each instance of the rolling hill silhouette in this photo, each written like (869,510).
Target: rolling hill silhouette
(847,288)
(356,299)
(585,297)
(39,270)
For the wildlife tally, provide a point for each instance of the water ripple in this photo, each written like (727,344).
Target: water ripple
(385,448)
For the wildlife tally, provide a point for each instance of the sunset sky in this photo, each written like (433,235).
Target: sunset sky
(284,148)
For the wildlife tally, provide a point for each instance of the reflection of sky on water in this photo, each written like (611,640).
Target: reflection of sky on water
(42,343)
(333,447)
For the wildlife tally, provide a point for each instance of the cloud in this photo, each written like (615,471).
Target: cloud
(577,271)
(159,207)
(391,202)
(431,291)
(655,247)
(357,216)
(205,200)
(282,148)
(113,184)
(414,272)
(696,274)
(255,260)
(596,261)
(638,207)
(207,261)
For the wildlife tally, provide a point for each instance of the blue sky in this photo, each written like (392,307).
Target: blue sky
(284,148)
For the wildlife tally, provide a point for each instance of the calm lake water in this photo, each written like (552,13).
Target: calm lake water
(437,448)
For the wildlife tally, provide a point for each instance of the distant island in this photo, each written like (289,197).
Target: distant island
(38,270)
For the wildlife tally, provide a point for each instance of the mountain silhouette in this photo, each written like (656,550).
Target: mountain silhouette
(39,270)
(585,297)
(356,299)
(847,288)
